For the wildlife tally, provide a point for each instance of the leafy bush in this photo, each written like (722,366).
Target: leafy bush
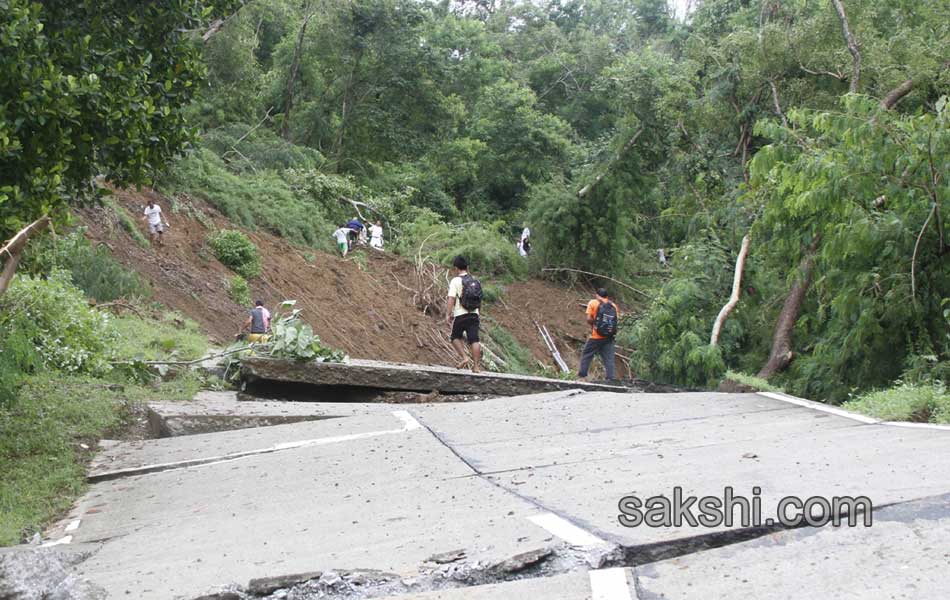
(239,290)
(169,336)
(487,250)
(262,149)
(920,403)
(92,269)
(284,204)
(236,251)
(55,317)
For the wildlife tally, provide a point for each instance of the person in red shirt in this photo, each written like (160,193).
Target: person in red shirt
(603,327)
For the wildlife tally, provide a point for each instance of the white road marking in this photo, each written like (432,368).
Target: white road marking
(917,425)
(62,540)
(609,584)
(567,531)
(409,424)
(819,406)
(409,421)
(73,526)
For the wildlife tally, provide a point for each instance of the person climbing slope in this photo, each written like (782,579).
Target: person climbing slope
(602,316)
(376,236)
(462,313)
(153,215)
(342,236)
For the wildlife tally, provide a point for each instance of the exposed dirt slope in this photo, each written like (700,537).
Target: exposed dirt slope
(361,311)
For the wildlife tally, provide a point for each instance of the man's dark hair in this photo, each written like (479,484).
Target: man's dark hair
(259,303)
(460,263)
(602,292)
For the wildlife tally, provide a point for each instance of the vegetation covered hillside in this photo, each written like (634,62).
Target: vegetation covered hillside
(636,145)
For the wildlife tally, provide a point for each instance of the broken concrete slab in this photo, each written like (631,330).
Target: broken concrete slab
(146,456)
(905,554)
(34,573)
(221,411)
(386,502)
(579,456)
(394,376)
(569,586)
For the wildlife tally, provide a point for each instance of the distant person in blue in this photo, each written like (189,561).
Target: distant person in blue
(356,228)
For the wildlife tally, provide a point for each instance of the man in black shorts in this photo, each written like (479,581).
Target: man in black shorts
(465,294)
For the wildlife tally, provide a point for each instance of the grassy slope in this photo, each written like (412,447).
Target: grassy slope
(42,458)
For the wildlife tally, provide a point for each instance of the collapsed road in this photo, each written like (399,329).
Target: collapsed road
(509,497)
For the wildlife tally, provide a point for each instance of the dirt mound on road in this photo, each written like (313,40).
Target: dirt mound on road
(354,304)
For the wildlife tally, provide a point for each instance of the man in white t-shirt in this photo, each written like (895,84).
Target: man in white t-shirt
(342,239)
(153,215)
(376,236)
(464,320)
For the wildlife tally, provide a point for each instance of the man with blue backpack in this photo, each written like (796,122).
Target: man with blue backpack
(602,316)
(464,302)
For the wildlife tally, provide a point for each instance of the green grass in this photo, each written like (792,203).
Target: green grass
(919,403)
(753,382)
(129,224)
(239,291)
(42,464)
(518,359)
(167,337)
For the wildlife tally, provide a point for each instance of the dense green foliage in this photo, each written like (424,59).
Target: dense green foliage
(60,387)
(91,268)
(615,130)
(236,251)
(87,89)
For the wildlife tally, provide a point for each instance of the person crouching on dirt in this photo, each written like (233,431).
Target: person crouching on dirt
(602,316)
(258,323)
(153,215)
(461,312)
(376,236)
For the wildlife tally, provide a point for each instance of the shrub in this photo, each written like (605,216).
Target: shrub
(239,291)
(92,269)
(921,403)
(262,149)
(129,225)
(55,317)
(236,251)
(283,204)
(487,250)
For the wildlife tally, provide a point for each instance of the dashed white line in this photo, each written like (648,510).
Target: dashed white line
(609,584)
(567,531)
(819,406)
(73,525)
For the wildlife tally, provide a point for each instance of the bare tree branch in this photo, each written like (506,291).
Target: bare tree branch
(626,147)
(601,276)
(736,290)
(852,46)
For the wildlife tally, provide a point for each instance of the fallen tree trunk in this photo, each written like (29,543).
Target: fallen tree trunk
(781,355)
(587,188)
(736,290)
(13,250)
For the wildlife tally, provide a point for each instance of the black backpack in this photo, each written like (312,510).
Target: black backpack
(605,323)
(471,298)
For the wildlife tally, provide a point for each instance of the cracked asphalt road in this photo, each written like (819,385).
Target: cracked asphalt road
(536,476)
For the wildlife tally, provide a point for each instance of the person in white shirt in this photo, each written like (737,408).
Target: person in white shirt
(153,215)
(342,239)
(376,236)
(524,247)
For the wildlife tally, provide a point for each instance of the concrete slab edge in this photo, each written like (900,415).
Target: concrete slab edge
(847,414)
